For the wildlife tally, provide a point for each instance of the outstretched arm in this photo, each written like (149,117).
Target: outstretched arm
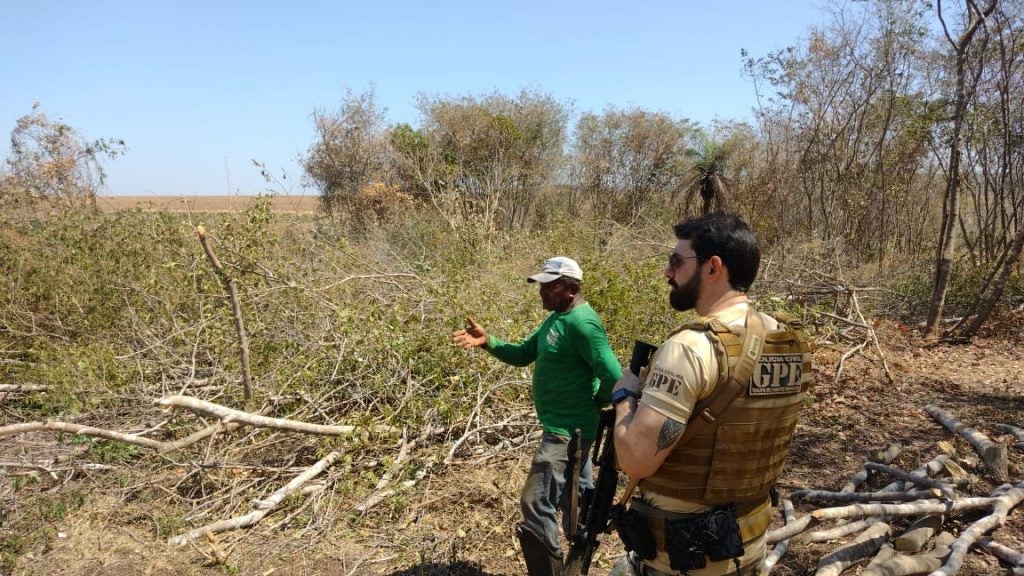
(472,336)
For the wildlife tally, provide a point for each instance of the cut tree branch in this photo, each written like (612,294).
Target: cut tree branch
(906,565)
(1005,553)
(218,426)
(80,430)
(1004,503)
(837,532)
(236,311)
(886,457)
(380,492)
(903,510)
(884,553)
(918,533)
(862,547)
(993,454)
(826,496)
(791,529)
(842,360)
(30,466)
(788,514)
(1017,433)
(915,478)
(228,415)
(262,507)
(859,511)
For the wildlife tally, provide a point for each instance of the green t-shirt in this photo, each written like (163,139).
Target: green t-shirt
(575,369)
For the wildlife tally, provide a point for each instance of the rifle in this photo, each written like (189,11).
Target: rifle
(597,514)
(596,502)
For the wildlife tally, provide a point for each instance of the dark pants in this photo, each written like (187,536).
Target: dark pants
(544,492)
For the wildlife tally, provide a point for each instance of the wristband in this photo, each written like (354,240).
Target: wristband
(623,393)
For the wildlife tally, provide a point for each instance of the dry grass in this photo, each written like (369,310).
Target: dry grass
(458,520)
(279,204)
(109,510)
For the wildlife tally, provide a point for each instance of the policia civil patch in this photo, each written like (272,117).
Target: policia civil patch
(777,374)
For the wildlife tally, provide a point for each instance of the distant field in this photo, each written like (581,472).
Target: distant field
(283,204)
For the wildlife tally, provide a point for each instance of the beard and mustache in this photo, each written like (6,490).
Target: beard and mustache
(683,298)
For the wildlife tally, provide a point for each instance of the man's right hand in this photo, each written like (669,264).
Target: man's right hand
(472,336)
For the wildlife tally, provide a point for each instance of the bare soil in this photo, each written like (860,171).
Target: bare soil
(459,519)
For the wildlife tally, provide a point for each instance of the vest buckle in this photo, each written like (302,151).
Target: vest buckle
(707,415)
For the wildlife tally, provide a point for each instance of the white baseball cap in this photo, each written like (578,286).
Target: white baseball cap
(555,268)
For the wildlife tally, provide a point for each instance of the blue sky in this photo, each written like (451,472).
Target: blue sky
(199,89)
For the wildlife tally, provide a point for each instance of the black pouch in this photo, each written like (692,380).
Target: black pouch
(633,531)
(684,542)
(721,533)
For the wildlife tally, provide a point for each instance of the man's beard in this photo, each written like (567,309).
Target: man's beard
(683,298)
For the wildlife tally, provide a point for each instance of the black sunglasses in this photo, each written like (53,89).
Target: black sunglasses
(675,260)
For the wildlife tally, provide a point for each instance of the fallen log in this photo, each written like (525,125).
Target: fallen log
(918,533)
(910,565)
(903,510)
(992,453)
(915,478)
(826,496)
(884,553)
(931,468)
(1004,503)
(885,457)
(1017,433)
(859,511)
(790,529)
(261,507)
(1005,553)
(862,547)
(788,514)
(228,415)
(837,532)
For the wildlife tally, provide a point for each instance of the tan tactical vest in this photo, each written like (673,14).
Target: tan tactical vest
(740,457)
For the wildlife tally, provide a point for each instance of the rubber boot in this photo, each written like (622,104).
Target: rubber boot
(539,559)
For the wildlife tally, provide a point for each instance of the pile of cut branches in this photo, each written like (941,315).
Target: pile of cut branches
(908,526)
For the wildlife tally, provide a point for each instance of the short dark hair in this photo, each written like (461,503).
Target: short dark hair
(726,235)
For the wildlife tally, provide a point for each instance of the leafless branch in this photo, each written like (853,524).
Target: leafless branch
(236,311)
(228,415)
(262,507)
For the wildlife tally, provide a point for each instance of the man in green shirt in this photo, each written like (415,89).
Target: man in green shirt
(572,379)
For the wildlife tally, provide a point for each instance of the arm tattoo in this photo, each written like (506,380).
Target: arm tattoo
(670,432)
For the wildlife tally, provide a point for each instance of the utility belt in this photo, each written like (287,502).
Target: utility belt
(691,539)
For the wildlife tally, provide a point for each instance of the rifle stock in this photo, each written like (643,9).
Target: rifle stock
(596,504)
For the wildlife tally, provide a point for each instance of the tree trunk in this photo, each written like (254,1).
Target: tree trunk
(951,205)
(994,295)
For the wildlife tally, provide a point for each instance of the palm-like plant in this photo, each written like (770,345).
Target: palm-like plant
(710,158)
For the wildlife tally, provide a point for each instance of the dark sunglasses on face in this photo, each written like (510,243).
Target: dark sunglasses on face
(675,260)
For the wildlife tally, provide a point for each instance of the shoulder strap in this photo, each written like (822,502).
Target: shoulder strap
(706,412)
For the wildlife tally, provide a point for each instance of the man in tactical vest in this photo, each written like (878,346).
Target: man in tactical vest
(572,379)
(706,429)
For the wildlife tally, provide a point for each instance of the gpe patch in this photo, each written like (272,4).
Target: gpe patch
(777,374)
